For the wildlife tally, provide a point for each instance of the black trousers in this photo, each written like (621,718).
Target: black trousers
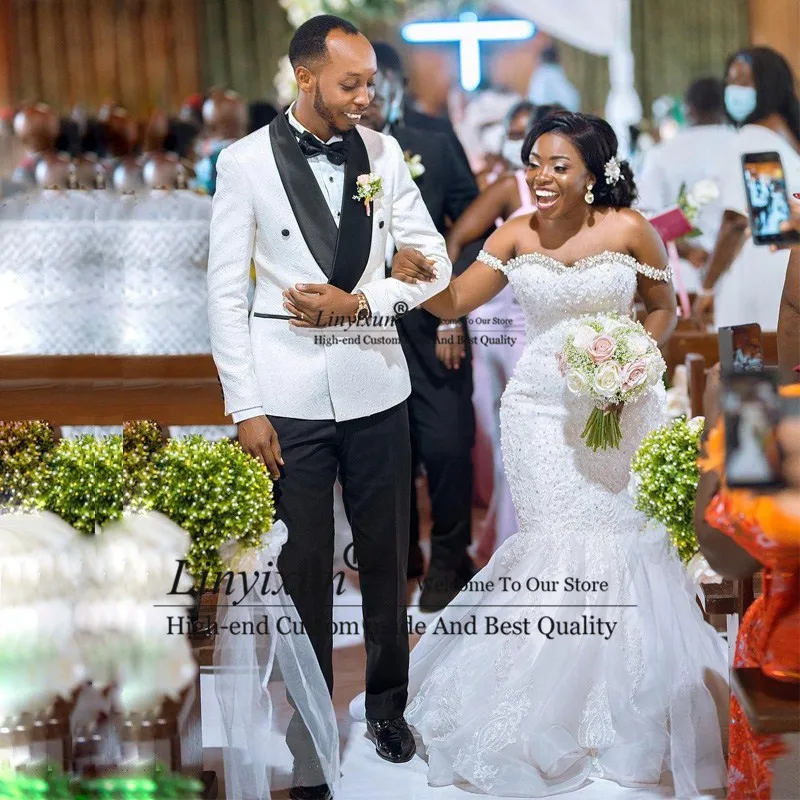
(442,424)
(372,458)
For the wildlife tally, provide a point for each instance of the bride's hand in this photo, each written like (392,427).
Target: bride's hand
(410,266)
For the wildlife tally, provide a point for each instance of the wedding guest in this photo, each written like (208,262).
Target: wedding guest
(789,317)
(225,117)
(550,85)
(740,534)
(440,405)
(260,113)
(412,116)
(685,160)
(743,282)
(509,196)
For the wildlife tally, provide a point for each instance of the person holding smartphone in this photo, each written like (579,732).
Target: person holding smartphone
(740,533)
(789,313)
(744,280)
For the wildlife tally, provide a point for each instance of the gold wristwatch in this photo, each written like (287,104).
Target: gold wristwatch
(362,312)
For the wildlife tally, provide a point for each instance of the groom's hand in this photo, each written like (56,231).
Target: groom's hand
(317,305)
(258,438)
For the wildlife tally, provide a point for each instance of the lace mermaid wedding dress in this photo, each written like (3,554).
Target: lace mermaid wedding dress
(620,680)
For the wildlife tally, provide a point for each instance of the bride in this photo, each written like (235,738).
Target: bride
(579,650)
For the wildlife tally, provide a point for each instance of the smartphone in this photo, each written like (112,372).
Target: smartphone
(752,409)
(740,349)
(767,199)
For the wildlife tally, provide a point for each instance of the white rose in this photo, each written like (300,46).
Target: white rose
(638,344)
(577,382)
(705,191)
(607,379)
(612,325)
(655,369)
(584,336)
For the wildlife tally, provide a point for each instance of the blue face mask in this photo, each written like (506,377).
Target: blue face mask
(740,102)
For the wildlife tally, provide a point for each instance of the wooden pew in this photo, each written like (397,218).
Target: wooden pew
(729,598)
(107,390)
(684,342)
(773,707)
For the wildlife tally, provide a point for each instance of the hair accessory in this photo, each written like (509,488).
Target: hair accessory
(612,171)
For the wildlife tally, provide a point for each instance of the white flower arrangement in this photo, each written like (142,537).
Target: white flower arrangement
(692,200)
(414,164)
(368,184)
(613,360)
(300,11)
(284,82)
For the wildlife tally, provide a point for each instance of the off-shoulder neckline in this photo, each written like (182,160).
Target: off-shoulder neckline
(585,262)
(579,263)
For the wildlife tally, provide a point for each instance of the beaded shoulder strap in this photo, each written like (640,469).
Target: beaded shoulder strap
(493,261)
(656,274)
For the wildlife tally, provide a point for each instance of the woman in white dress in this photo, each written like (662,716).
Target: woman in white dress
(744,280)
(579,650)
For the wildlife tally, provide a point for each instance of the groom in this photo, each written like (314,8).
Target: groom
(311,410)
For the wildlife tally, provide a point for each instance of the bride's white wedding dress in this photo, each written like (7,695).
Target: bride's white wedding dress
(538,711)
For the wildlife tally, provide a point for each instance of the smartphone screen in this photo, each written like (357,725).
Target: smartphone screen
(740,349)
(752,408)
(767,199)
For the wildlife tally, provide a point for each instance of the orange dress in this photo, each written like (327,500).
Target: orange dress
(768,633)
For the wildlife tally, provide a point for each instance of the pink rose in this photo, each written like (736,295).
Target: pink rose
(602,348)
(634,374)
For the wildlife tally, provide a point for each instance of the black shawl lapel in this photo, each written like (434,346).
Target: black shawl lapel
(305,197)
(355,227)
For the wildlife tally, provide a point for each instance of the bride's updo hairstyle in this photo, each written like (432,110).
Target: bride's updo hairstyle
(597,143)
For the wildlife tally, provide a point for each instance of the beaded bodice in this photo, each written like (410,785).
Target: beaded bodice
(551,292)
(552,295)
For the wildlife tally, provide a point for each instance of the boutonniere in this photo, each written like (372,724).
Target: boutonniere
(367,187)
(414,164)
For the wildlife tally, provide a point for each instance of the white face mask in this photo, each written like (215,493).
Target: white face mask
(512,151)
(492,138)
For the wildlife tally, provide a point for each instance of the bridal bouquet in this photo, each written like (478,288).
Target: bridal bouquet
(613,360)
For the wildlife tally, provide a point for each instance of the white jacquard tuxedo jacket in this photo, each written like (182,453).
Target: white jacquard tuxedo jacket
(269,207)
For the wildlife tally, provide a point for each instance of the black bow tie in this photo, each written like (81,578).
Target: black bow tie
(336,152)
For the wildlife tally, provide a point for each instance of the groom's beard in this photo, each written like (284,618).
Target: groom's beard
(326,114)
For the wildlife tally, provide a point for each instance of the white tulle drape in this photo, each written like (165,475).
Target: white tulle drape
(602,27)
(249,670)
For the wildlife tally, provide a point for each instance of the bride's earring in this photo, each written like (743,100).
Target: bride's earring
(589,197)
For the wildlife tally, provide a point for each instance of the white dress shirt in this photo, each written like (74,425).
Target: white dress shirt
(330,176)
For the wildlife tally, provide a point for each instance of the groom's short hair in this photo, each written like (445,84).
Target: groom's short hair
(308,43)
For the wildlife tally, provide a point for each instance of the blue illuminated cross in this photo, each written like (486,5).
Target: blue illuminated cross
(469,32)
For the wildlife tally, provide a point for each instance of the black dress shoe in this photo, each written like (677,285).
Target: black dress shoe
(321,792)
(441,587)
(393,739)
